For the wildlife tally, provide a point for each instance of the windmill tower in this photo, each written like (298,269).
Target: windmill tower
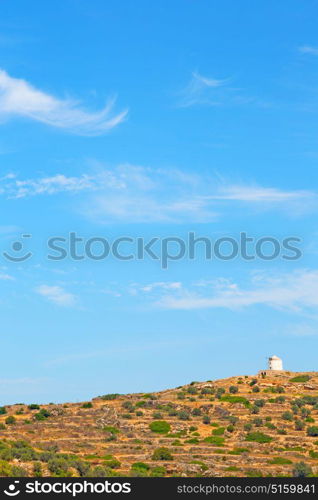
(275,363)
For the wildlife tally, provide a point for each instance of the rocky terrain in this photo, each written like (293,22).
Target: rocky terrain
(264,425)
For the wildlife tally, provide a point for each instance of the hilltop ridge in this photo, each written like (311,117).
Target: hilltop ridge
(238,426)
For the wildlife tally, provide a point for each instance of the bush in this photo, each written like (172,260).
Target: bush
(230,428)
(192,390)
(255,389)
(3,410)
(217,440)
(160,426)
(127,405)
(207,390)
(157,415)
(109,397)
(2,427)
(258,437)
(113,463)
(42,415)
(37,469)
(302,470)
(87,405)
(10,420)
(111,429)
(280,461)
(140,465)
(312,431)
(218,432)
(299,425)
(196,412)
(247,427)
(34,406)
(206,419)
(58,466)
(5,469)
(300,378)
(184,415)
(236,399)
(287,415)
(233,389)
(219,392)
(258,422)
(162,454)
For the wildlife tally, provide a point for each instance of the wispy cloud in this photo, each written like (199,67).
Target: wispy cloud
(18,98)
(201,89)
(254,193)
(296,291)
(143,195)
(308,49)
(57,295)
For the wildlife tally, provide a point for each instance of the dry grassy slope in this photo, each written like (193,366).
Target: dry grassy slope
(81,431)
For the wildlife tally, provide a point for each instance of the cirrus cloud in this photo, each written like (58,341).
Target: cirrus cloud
(18,98)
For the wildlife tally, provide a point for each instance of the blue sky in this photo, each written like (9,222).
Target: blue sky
(145,119)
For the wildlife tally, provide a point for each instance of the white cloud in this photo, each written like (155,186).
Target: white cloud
(130,193)
(163,285)
(296,291)
(260,194)
(57,295)
(201,89)
(19,98)
(308,49)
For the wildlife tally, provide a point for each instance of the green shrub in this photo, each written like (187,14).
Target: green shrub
(217,440)
(3,410)
(5,469)
(183,415)
(87,405)
(196,412)
(33,406)
(111,428)
(109,397)
(300,378)
(113,463)
(219,431)
(280,461)
(248,427)
(313,454)
(37,469)
(302,470)
(287,415)
(258,422)
(160,426)
(299,425)
(162,454)
(140,465)
(258,437)
(158,471)
(312,431)
(233,389)
(230,428)
(206,419)
(235,399)
(255,389)
(238,451)
(10,420)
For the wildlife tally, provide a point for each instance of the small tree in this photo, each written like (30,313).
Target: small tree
(233,389)
(162,454)
(312,431)
(302,470)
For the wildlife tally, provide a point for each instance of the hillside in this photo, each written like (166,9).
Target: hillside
(239,426)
